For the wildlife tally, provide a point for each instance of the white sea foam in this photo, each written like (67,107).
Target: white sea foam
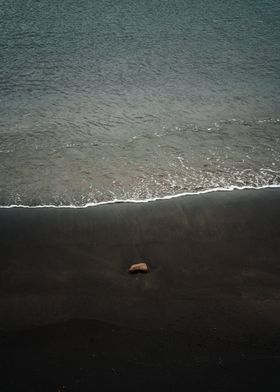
(148,200)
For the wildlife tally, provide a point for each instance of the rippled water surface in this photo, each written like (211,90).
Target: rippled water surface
(129,99)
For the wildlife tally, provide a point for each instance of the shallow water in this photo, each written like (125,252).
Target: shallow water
(104,100)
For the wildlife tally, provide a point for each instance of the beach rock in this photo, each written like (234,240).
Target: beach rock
(139,267)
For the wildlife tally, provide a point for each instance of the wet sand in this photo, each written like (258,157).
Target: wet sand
(206,317)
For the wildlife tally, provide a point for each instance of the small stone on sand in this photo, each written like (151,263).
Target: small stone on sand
(139,267)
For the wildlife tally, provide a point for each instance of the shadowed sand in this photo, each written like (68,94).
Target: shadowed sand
(212,296)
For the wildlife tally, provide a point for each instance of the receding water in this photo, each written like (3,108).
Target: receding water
(129,99)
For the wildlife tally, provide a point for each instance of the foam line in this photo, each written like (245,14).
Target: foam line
(167,197)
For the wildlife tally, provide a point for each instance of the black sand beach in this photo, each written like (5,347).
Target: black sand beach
(206,317)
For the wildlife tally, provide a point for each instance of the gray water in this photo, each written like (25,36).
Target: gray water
(134,99)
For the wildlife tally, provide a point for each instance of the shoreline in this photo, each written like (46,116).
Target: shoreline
(167,197)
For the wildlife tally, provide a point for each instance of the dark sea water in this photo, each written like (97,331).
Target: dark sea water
(136,99)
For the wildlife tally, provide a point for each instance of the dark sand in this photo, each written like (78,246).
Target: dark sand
(206,318)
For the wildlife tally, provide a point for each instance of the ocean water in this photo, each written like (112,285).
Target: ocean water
(136,99)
